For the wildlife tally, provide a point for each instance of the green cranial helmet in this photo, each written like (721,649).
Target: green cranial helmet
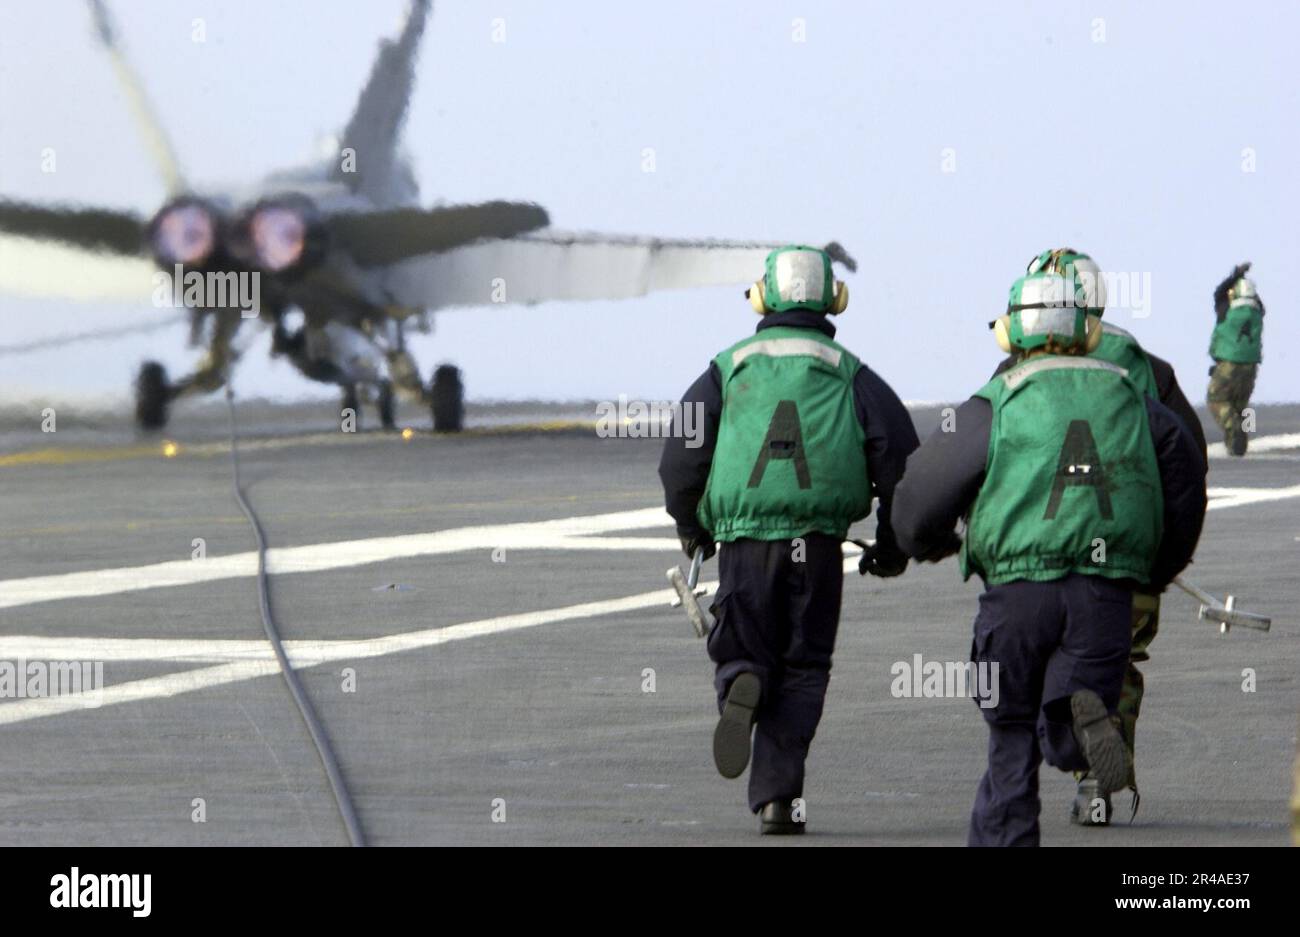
(1068,262)
(1044,307)
(796,277)
(1243,291)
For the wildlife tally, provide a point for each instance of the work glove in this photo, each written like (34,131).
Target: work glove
(883,561)
(948,546)
(692,542)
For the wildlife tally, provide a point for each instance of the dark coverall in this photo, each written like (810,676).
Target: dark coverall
(777,618)
(1146,604)
(1048,638)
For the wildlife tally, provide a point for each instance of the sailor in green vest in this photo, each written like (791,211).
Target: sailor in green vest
(1077,489)
(1237,349)
(799,437)
(1154,377)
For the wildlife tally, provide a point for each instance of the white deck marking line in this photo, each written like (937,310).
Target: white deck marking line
(574,533)
(166,650)
(245,660)
(1274,443)
(164,686)
(563,534)
(301,654)
(1237,497)
(305,653)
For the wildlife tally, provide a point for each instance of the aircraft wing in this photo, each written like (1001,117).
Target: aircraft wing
(379,238)
(116,232)
(59,270)
(67,252)
(554,265)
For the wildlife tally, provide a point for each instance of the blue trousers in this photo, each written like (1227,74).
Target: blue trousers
(777,611)
(1049,639)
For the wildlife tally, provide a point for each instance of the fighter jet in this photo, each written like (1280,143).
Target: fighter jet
(341,256)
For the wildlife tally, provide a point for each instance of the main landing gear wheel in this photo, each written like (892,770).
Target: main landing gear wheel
(448,399)
(386,405)
(152,396)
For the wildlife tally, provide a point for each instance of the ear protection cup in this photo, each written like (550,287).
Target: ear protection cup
(841,300)
(1094,333)
(1000,327)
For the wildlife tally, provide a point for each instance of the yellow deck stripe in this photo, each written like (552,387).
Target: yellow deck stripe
(83,455)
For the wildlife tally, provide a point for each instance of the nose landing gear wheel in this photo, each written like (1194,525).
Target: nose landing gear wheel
(153,394)
(448,400)
(351,402)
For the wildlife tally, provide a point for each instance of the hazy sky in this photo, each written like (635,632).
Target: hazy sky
(1118,128)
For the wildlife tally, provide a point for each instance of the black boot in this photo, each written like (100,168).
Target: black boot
(1109,763)
(777,819)
(736,724)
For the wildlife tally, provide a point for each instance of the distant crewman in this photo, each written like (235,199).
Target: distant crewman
(1078,488)
(798,437)
(1154,377)
(1237,349)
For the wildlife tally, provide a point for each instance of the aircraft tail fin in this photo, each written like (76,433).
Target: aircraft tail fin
(155,139)
(373,130)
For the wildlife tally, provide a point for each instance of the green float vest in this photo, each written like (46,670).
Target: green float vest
(1072,484)
(1240,336)
(1120,348)
(789,456)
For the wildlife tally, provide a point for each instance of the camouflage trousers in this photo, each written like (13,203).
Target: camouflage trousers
(1231,385)
(1146,622)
